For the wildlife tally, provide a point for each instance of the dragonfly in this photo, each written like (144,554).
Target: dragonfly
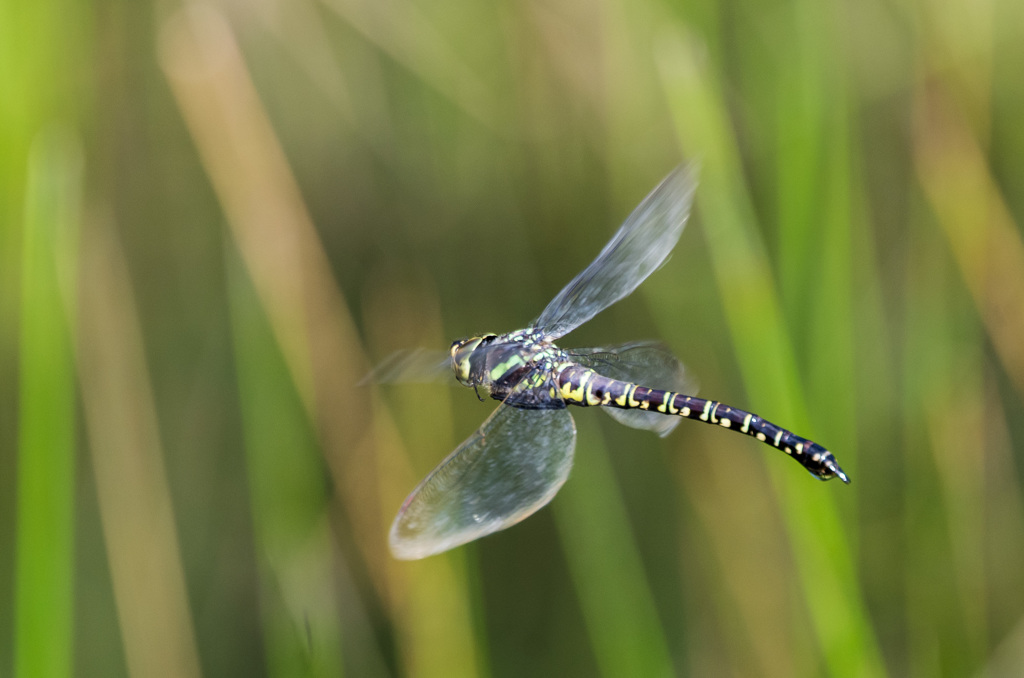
(518,459)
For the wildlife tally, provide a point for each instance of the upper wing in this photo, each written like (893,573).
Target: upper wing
(649,364)
(512,466)
(638,248)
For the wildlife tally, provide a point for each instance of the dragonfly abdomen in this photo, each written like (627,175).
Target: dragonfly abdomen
(585,387)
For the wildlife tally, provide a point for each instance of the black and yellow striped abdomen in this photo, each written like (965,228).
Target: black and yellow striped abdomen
(583,386)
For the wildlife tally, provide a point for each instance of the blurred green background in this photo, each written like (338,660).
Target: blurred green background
(214,218)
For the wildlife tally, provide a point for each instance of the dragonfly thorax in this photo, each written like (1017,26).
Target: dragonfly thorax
(496,363)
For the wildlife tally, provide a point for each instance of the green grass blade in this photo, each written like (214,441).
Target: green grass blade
(302,631)
(44,583)
(767,361)
(607,569)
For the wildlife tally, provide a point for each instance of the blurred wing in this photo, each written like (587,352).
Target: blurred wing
(421,365)
(634,252)
(511,467)
(649,364)
(416,365)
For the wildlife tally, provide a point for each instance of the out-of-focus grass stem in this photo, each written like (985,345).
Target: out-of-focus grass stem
(136,511)
(618,606)
(44,578)
(292,278)
(768,363)
(290,518)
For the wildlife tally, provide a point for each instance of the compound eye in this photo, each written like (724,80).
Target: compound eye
(461,352)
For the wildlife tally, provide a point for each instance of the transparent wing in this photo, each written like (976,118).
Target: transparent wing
(638,248)
(511,467)
(647,363)
(424,365)
(413,365)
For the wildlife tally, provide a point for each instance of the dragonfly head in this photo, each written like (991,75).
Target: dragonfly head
(462,351)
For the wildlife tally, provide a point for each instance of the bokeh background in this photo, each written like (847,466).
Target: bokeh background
(215,217)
